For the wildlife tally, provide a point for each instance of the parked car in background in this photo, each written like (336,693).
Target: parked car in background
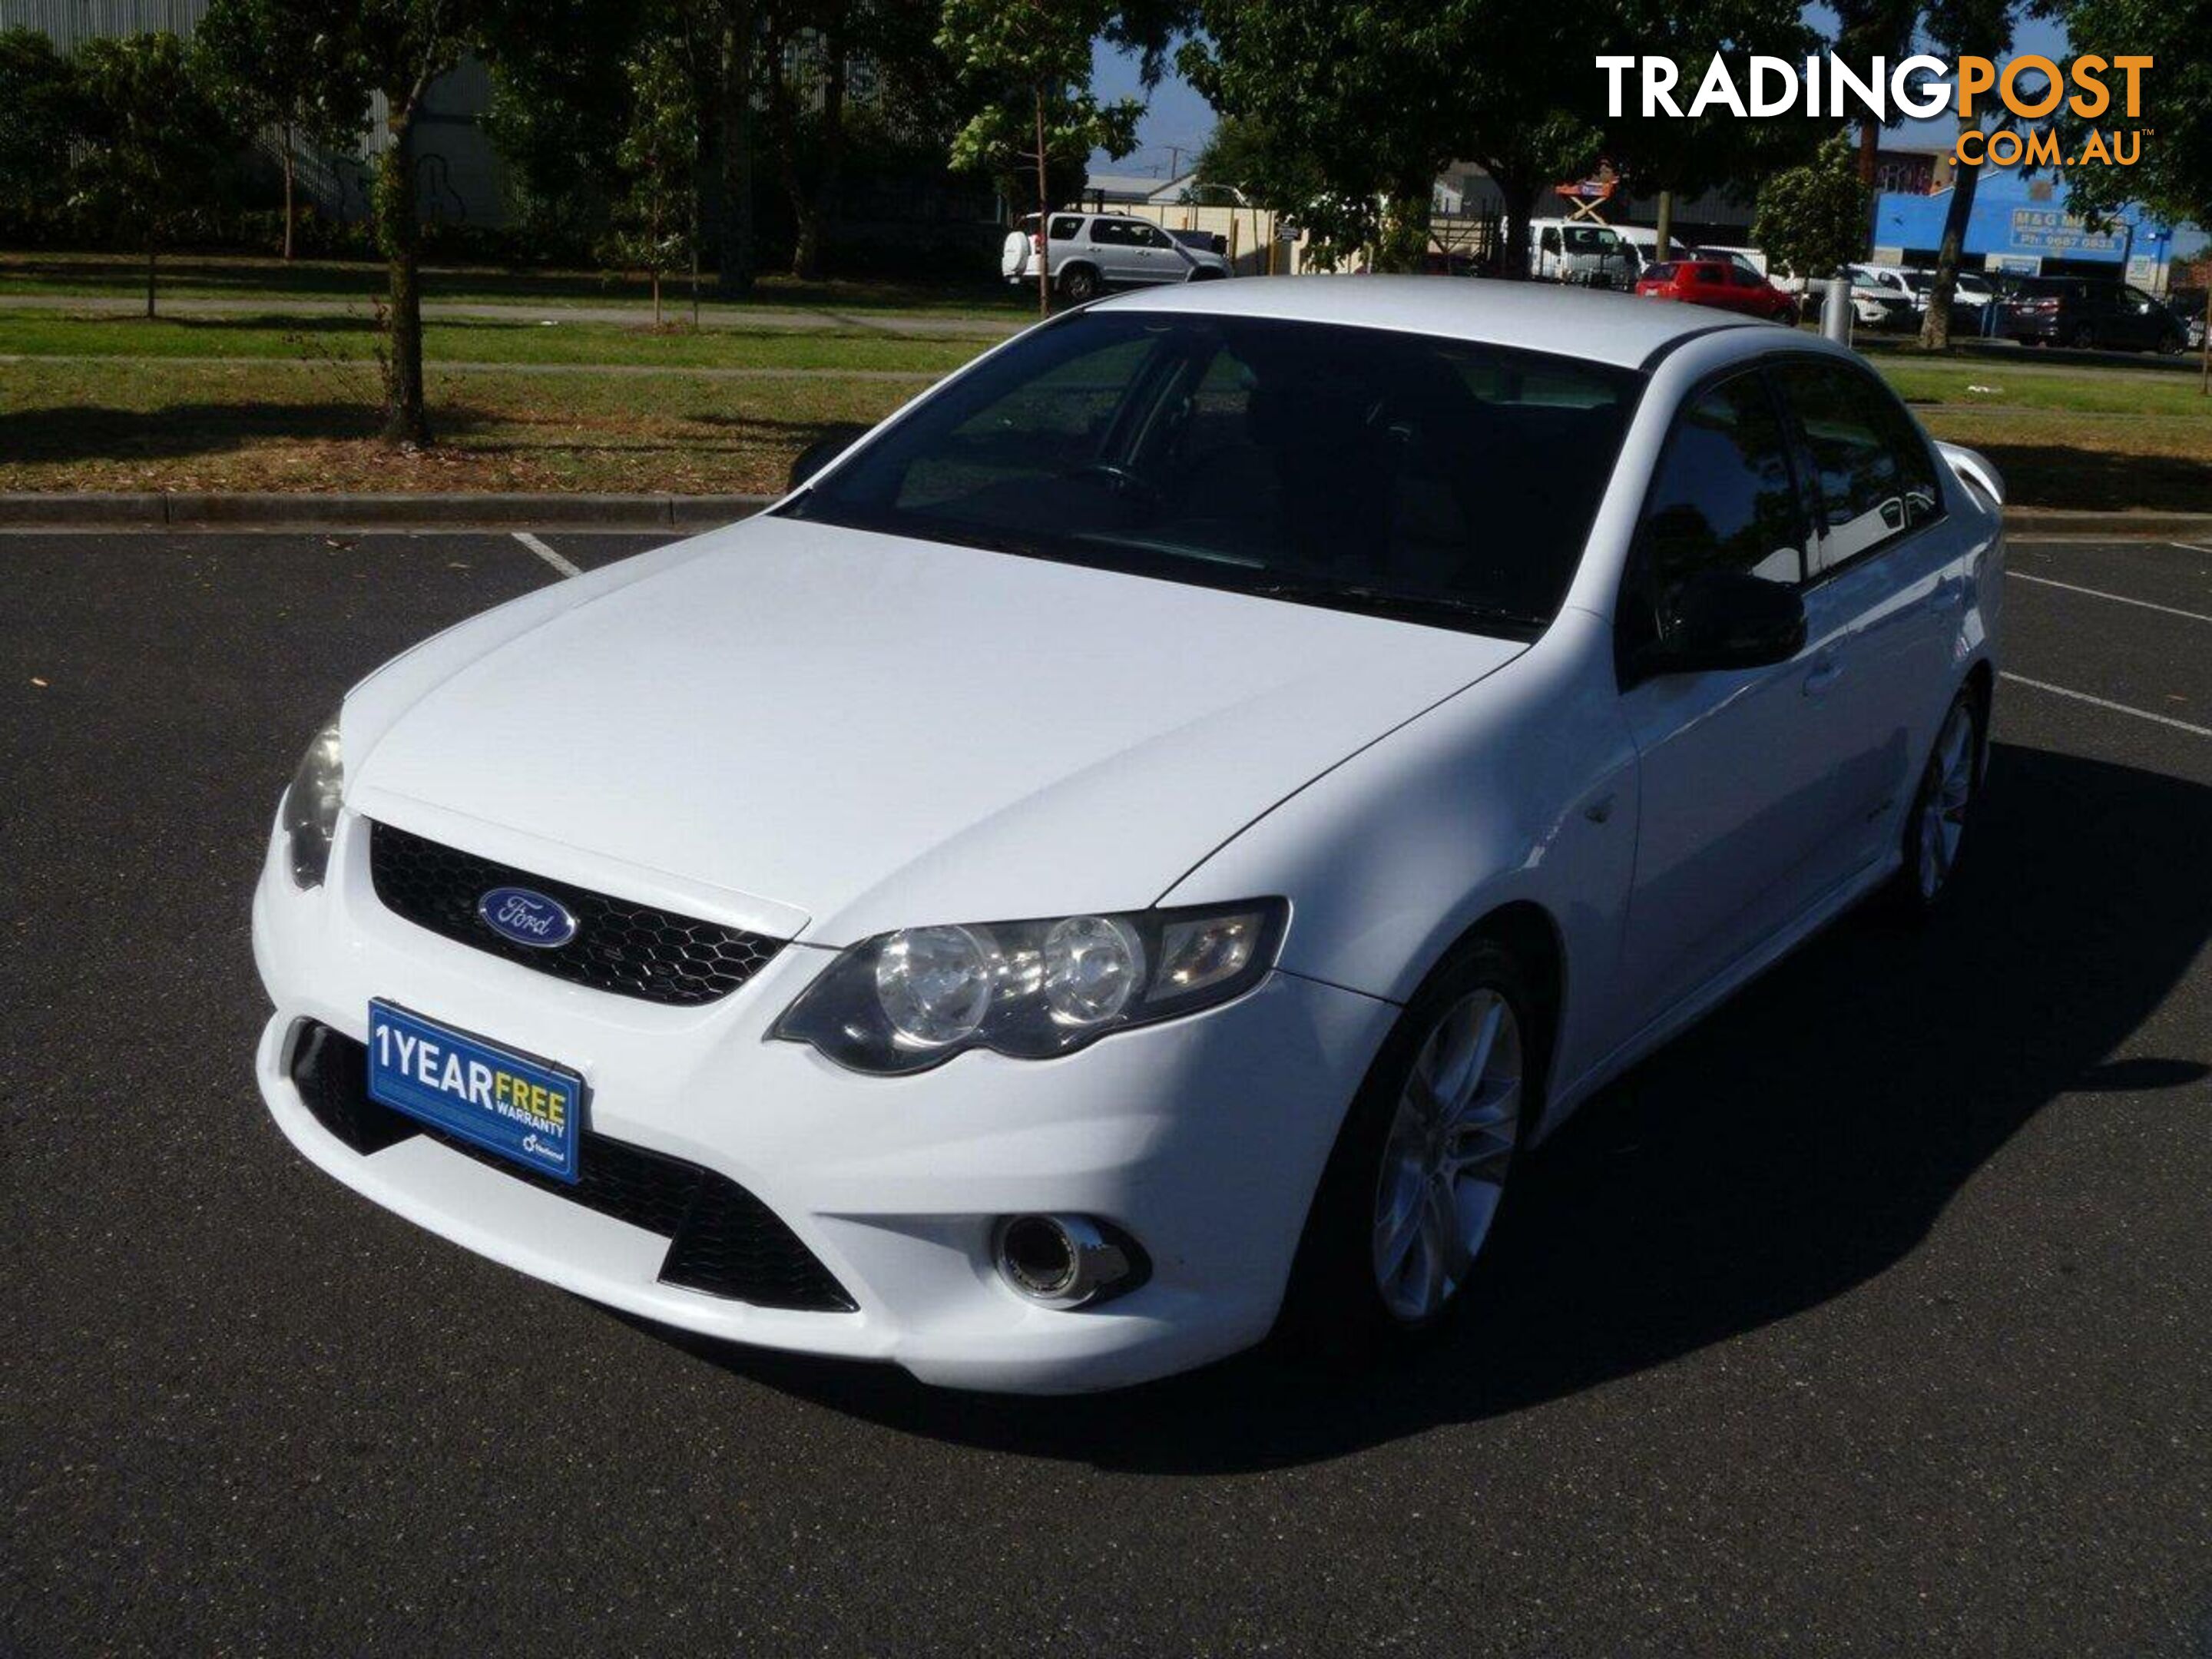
(1644,240)
(1967,315)
(1092,252)
(1246,763)
(1720,284)
(1973,288)
(1203,241)
(1881,298)
(2090,313)
(1581,251)
(1751,259)
(2187,305)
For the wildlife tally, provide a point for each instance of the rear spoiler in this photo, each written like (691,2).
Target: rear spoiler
(1974,468)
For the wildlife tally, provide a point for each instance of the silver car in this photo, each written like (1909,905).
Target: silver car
(1093,252)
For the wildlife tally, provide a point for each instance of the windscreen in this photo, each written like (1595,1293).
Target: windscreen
(1437,480)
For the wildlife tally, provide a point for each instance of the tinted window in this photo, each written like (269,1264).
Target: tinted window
(1723,498)
(1152,236)
(1739,277)
(1115,231)
(1066,228)
(1660,274)
(1370,469)
(1870,472)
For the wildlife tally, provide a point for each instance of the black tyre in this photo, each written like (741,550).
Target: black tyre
(1079,284)
(1935,834)
(1419,1171)
(2085,338)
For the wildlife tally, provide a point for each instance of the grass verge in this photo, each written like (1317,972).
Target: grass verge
(246,427)
(117,403)
(309,340)
(222,277)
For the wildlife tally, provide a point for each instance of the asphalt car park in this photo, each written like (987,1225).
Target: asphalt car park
(1869,1316)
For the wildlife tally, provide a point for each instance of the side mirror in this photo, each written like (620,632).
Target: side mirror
(834,442)
(1727,619)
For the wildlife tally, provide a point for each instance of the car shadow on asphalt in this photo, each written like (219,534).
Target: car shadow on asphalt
(1797,1143)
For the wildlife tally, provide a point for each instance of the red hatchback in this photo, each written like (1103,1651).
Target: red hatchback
(1718,283)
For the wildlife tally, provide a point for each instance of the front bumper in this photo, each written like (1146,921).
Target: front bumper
(1204,1138)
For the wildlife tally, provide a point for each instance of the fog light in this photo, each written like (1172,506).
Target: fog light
(1065,1260)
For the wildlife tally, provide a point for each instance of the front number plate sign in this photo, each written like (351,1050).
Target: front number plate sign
(505,1103)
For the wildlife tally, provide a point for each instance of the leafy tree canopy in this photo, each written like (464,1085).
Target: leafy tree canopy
(1813,218)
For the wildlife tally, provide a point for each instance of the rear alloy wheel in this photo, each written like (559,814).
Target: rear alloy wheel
(1935,834)
(1079,285)
(2085,338)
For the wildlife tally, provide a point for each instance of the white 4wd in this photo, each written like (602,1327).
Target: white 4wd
(1093,252)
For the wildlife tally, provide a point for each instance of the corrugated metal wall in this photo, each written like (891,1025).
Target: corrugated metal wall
(67,22)
(460,174)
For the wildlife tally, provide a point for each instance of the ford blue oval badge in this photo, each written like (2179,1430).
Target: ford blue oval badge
(527,918)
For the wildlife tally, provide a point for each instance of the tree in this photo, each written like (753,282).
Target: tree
(1031,60)
(810,67)
(1980,28)
(2174,177)
(37,110)
(1867,29)
(660,155)
(734,26)
(1368,99)
(398,48)
(149,135)
(1812,219)
(1668,157)
(271,64)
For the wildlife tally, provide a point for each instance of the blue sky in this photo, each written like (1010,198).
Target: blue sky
(1178,119)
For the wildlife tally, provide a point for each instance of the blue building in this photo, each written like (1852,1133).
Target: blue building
(2021,223)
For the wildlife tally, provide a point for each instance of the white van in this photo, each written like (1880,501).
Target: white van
(1581,251)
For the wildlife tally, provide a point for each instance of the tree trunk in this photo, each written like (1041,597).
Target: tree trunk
(807,260)
(149,278)
(2204,366)
(1520,197)
(1936,327)
(783,118)
(290,166)
(733,277)
(1869,144)
(1044,216)
(1665,236)
(407,419)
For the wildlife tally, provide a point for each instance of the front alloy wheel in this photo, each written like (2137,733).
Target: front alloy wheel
(1443,1166)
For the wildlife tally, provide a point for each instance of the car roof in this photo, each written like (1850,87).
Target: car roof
(1593,324)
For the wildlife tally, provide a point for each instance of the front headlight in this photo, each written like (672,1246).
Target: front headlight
(906,1001)
(311,806)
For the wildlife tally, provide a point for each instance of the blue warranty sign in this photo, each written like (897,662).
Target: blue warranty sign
(511,1104)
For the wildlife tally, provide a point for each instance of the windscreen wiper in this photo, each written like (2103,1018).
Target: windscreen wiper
(1406,607)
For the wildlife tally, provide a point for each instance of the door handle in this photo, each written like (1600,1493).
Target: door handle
(1824,673)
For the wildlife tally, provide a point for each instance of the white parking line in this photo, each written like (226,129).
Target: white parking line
(2100,702)
(2191,547)
(2116,599)
(547,554)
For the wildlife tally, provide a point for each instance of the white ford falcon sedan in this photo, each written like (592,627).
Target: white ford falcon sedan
(1131,853)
